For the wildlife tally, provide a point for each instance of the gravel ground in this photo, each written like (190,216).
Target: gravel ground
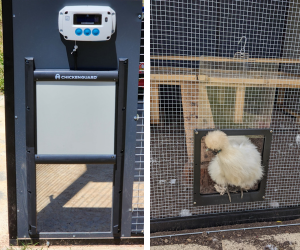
(268,239)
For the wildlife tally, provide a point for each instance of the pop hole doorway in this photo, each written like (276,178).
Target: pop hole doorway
(204,187)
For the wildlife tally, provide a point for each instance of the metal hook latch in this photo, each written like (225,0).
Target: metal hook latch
(243,49)
(242,53)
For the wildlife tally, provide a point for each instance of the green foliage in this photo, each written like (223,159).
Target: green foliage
(27,246)
(1,71)
(1,53)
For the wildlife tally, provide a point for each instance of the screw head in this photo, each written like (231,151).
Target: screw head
(195,202)
(196,132)
(271,131)
(263,197)
(16,117)
(139,16)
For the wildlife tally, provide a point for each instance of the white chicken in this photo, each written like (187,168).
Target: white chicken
(237,161)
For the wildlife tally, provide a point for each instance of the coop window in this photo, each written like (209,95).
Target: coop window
(204,188)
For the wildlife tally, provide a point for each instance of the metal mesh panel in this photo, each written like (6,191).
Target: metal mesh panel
(138,185)
(222,65)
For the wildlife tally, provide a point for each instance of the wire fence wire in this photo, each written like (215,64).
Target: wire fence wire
(222,65)
(138,185)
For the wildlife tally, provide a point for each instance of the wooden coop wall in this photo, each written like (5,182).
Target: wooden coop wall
(222,65)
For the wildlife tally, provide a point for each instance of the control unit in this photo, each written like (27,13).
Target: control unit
(87,23)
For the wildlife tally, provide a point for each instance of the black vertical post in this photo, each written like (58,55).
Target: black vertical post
(8,54)
(121,94)
(30,91)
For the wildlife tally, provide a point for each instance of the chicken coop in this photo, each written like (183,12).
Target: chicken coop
(74,121)
(231,66)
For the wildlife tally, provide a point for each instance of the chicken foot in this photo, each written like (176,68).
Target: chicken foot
(242,192)
(227,190)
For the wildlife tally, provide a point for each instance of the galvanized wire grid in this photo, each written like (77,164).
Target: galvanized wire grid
(223,65)
(138,185)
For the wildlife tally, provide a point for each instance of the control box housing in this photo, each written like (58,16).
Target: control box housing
(87,23)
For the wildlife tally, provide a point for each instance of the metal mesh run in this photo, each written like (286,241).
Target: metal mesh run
(223,65)
(138,186)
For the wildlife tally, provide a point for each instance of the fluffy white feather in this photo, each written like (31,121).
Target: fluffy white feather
(238,162)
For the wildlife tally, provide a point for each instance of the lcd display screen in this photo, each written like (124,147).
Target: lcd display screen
(88,19)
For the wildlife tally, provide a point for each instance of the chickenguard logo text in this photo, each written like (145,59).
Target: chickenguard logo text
(58,77)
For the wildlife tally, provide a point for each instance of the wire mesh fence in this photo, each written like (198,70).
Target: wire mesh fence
(138,186)
(222,65)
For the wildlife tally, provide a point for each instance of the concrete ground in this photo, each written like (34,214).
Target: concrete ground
(74,197)
(43,197)
(3,189)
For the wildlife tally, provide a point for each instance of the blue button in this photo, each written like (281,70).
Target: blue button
(96,32)
(78,32)
(87,32)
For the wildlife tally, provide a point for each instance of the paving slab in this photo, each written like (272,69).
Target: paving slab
(74,197)
(3,183)
(230,245)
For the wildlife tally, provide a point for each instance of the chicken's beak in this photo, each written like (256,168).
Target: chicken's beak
(214,152)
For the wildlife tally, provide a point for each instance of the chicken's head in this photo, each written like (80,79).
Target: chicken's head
(216,140)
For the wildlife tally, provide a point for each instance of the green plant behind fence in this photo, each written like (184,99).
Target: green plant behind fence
(1,53)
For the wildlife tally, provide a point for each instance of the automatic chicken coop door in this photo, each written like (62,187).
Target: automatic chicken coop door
(59,130)
(72,92)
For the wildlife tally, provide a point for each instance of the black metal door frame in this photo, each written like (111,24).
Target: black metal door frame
(216,199)
(32,158)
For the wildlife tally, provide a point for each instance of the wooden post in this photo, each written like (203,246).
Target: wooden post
(196,115)
(154,104)
(239,104)
(280,96)
(205,117)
